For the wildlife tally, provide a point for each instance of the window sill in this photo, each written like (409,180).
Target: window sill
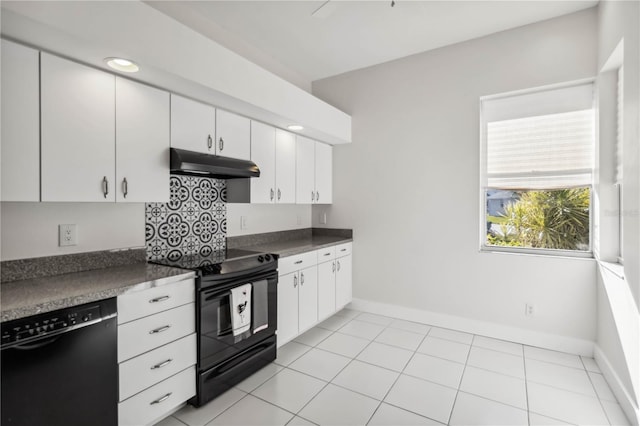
(568,254)
(616,269)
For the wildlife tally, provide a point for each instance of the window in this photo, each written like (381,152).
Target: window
(619,144)
(537,170)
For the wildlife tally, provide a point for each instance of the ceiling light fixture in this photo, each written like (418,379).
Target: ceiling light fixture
(121,64)
(295,127)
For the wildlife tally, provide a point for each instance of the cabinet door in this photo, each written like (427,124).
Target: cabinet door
(305,170)
(142,143)
(263,153)
(324,191)
(326,289)
(343,281)
(285,167)
(78,131)
(233,134)
(308,298)
(287,307)
(193,125)
(20,119)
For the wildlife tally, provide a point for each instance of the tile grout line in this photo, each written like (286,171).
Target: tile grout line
(453,406)
(598,395)
(526,386)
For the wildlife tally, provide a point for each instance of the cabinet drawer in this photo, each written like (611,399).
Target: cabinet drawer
(296,262)
(326,254)
(156,402)
(343,249)
(146,370)
(137,337)
(157,299)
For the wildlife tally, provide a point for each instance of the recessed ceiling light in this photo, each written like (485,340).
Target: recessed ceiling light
(121,64)
(295,127)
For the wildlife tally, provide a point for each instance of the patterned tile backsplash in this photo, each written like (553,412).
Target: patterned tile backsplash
(194,221)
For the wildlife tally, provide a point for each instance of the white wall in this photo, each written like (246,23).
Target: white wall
(408,185)
(262,218)
(31,229)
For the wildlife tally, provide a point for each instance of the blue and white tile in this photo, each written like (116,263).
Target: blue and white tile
(337,406)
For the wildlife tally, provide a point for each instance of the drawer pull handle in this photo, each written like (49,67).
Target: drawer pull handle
(160,330)
(328,254)
(298,262)
(343,249)
(159,400)
(159,299)
(162,364)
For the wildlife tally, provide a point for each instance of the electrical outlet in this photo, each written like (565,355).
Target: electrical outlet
(323,218)
(243,222)
(529,310)
(67,235)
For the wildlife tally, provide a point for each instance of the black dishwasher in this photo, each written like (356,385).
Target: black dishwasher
(60,368)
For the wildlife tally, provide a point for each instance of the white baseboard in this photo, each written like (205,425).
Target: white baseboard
(483,328)
(626,401)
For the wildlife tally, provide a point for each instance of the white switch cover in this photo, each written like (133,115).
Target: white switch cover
(67,235)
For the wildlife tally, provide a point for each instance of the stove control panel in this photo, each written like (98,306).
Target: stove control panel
(45,324)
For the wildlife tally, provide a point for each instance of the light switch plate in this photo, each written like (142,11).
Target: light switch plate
(67,235)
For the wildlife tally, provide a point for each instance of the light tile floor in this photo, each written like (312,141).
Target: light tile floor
(365,369)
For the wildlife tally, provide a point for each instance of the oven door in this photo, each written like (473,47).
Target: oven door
(216,340)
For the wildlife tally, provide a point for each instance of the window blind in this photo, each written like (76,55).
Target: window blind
(542,140)
(620,117)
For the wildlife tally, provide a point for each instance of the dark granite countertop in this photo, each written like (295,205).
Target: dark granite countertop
(301,245)
(33,296)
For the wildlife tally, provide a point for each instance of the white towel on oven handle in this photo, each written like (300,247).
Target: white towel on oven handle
(240,305)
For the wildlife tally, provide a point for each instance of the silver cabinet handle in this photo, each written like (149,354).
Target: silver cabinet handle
(298,262)
(279,194)
(221,144)
(327,254)
(313,196)
(333,269)
(160,329)
(295,281)
(338,265)
(162,364)
(159,299)
(209,142)
(343,249)
(161,399)
(272,194)
(105,186)
(301,278)
(125,187)
(317,196)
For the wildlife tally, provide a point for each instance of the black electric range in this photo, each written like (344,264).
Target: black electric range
(226,358)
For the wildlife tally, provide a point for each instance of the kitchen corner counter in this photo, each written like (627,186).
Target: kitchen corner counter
(289,243)
(37,295)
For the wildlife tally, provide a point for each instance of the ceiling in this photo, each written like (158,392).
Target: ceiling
(287,38)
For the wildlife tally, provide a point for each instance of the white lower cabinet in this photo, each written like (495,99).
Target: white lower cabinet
(156,352)
(311,287)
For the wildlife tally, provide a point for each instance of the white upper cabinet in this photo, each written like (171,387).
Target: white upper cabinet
(313,172)
(233,135)
(263,153)
(193,125)
(20,119)
(274,151)
(142,143)
(305,170)
(78,132)
(324,172)
(285,167)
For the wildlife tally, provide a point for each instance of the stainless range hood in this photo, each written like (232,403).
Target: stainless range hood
(206,165)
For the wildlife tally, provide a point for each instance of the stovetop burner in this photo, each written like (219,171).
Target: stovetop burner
(221,262)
